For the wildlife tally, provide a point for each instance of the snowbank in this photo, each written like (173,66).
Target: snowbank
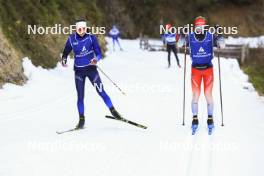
(253,42)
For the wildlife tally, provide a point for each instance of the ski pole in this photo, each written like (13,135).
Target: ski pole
(220,85)
(111,80)
(184,78)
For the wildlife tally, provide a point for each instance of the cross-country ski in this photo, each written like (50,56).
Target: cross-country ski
(127,121)
(69,130)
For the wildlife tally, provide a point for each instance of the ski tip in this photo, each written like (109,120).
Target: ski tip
(127,121)
(194,129)
(70,130)
(210,129)
(193,132)
(60,132)
(141,126)
(144,127)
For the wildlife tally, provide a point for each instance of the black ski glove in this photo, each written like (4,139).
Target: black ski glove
(64,61)
(218,30)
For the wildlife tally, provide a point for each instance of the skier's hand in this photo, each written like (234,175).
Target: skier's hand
(220,42)
(179,65)
(219,30)
(217,26)
(64,62)
(93,61)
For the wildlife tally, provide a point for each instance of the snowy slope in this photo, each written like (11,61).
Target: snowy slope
(30,116)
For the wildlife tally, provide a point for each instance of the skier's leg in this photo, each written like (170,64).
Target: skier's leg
(208,79)
(169,53)
(117,41)
(97,83)
(196,89)
(113,40)
(79,83)
(176,56)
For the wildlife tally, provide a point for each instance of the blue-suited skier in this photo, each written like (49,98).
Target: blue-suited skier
(87,53)
(115,34)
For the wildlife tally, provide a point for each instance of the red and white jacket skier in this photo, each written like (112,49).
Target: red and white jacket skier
(201,43)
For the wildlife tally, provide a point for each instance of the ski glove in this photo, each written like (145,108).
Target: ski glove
(64,62)
(219,30)
(93,61)
(220,42)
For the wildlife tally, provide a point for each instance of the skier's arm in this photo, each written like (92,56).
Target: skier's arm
(118,33)
(66,52)
(163,39)
(96,48)
(177,37)
(187,40)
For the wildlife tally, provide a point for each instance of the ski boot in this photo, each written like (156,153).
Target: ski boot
(195,124)
(81,123)
(210,124)
(115,113)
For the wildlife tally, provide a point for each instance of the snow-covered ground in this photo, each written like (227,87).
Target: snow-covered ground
(31,115)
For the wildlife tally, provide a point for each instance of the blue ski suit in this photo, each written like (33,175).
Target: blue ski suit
(85,49)
(115,34)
